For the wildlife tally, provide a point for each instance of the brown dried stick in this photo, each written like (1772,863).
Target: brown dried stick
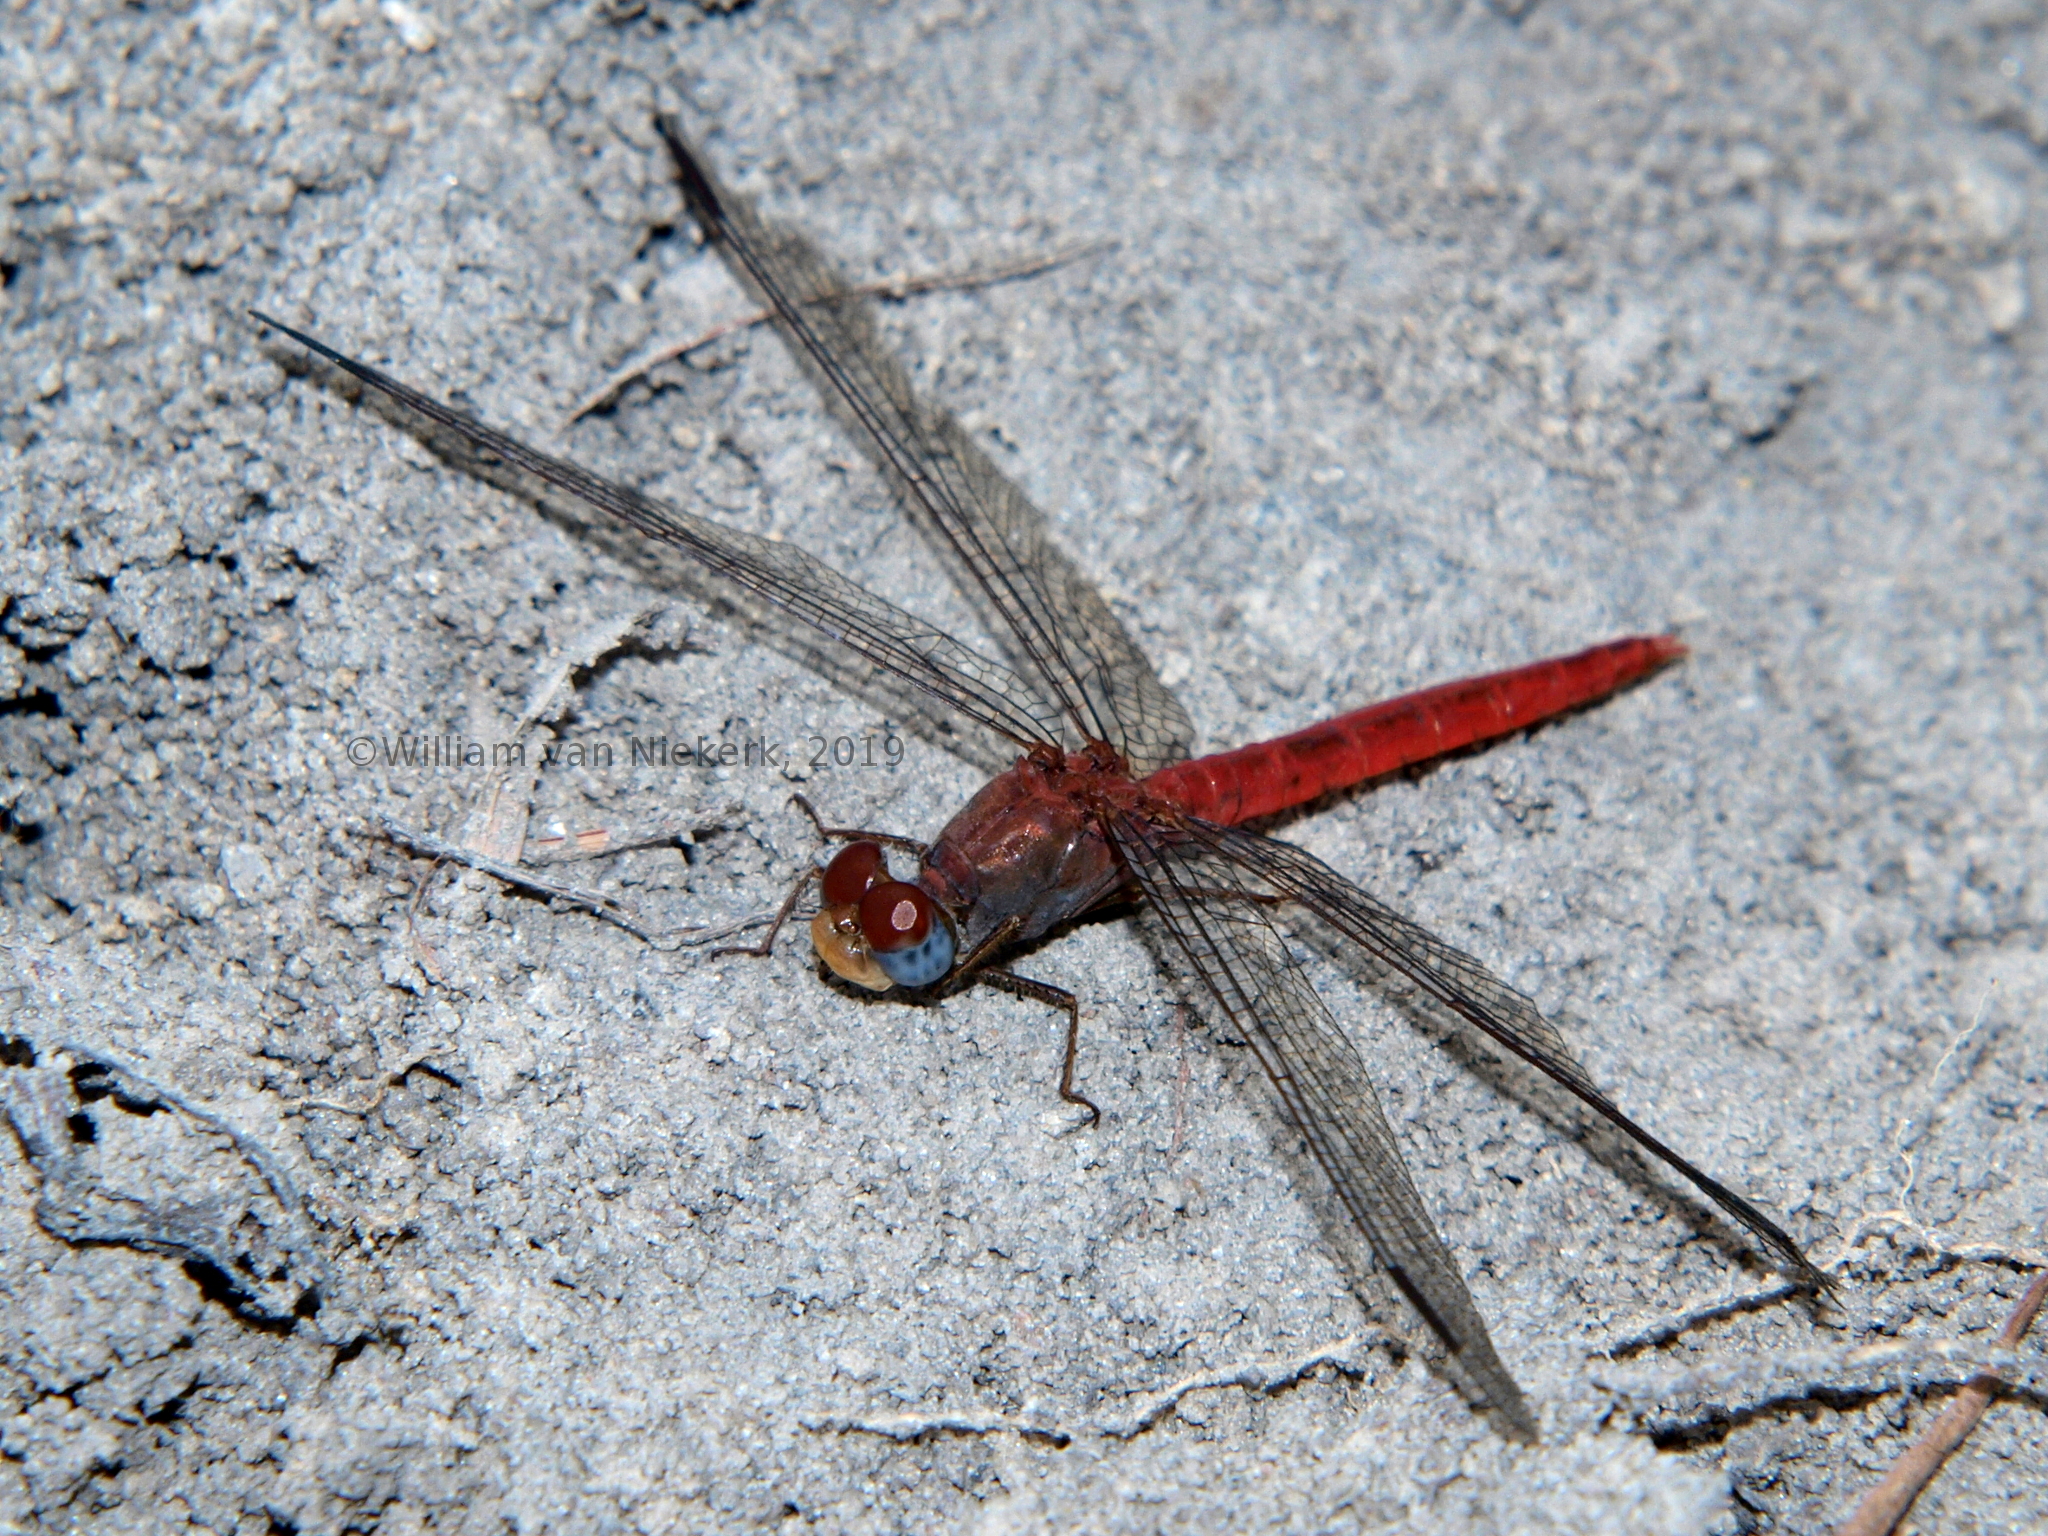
(1886,1504)
(898,287)
(594,902)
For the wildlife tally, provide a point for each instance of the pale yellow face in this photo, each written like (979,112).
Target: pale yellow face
(835,933)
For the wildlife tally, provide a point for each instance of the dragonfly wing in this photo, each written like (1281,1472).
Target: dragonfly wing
(1056,625)
(1457,982)
(1218,921)
(886,639)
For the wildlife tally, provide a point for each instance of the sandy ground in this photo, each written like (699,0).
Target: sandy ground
(1432,339)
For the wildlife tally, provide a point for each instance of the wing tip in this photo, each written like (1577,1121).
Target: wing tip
(316,347)
(698,190)
(1812,1279)
(1517,1423)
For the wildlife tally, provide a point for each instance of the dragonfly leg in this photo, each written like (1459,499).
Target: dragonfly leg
(976,968)
(1053,997)
(857,834)
(766,947)
(977,959)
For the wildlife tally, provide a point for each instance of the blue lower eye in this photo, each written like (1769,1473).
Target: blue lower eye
(921,964)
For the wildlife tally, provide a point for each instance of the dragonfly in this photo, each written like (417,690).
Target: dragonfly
(1103,802)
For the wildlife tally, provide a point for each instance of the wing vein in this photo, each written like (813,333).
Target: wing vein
(1462,985)
(1057,626)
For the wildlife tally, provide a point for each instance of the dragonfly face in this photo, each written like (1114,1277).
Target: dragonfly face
(877,931)
(1025,855)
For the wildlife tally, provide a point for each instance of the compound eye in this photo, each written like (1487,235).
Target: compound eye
(853,869)
(909,937)
(894,915)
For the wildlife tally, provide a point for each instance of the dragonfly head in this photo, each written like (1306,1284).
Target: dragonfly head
(879,932)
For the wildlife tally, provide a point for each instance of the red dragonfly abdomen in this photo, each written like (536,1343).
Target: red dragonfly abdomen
(1269,776)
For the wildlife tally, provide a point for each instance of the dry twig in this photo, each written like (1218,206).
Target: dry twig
(899,287)
(1261,1377)
(595,902)
(1886,1504)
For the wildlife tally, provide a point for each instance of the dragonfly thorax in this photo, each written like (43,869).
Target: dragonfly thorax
(1029,846)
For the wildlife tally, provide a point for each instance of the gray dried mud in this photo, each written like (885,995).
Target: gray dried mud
(1433,338)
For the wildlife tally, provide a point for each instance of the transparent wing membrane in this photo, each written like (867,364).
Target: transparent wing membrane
(883,635)
(1218,922)
(1459,983)
(1052,621)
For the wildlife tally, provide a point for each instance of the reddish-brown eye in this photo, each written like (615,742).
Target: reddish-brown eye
(894,916)
(852,870)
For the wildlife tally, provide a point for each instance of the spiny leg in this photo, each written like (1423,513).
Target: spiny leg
(766,947)
(965,971)
(856,834)
(976,967)
(1053,997)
